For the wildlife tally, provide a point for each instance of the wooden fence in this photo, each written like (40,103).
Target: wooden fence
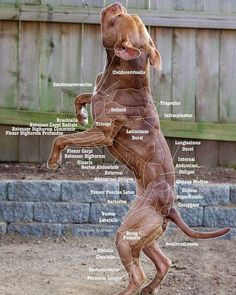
(47,41)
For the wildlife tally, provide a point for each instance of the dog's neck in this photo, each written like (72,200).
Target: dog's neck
(124,74)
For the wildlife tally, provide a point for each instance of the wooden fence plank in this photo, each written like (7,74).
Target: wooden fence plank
(184,64)
(227,150)
(71,63)
(162,4)
(52,2)
(123,2)
(30,2)
(227,154)
(45,145)
(17,2)
(9,145)
(228,6)
(28,149)
(72,2)
(161,82)
(8,1)
(207,88)
(87,4)
(141,4)
(92,54)
(50,67)
(207,154)
(29,66)
(227,77)
(8,64)
(51,71)
(162,37)
(227,101)
(96,3)
(185,4)
(208,5)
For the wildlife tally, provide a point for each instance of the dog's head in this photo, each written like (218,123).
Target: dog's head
(127,34)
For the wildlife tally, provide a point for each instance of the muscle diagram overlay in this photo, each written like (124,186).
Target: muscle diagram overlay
(125,120)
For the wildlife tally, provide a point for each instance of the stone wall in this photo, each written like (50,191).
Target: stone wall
(54,208)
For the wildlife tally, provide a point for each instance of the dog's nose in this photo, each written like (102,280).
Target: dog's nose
(116,6)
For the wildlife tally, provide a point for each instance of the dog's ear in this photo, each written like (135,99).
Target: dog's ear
(154,56)
(124,50)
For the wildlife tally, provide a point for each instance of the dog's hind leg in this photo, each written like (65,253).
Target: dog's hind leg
(130,260)
(141,227)
(162,264)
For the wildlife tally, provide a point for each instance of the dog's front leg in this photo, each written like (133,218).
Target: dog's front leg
(93,137)
(82,100)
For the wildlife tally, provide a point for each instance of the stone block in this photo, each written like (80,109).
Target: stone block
(233,194)
(217,194)
(89,230)
(192,216)
(219,217)
(205,195)
(34,191)
(90,191)
(107,214)
(3,228)
(16,211)
(128,191)
(61,212)
(3,190)
(34,229)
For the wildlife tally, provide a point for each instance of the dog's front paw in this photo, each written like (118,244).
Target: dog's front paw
(52,165)
(82,116)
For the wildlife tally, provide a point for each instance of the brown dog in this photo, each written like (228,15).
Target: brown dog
(126,121)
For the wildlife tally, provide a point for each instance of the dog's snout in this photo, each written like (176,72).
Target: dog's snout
(116,6)
(111,10)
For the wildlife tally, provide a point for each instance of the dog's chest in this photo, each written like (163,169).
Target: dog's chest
(121,103)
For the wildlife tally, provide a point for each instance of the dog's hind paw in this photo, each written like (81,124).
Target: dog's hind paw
(147,291)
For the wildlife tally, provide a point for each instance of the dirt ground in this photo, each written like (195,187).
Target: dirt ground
(61,266)
(69,170)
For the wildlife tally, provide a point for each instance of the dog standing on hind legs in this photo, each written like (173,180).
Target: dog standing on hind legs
(126,122)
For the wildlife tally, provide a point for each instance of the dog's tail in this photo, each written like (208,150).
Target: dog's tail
(175,217)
